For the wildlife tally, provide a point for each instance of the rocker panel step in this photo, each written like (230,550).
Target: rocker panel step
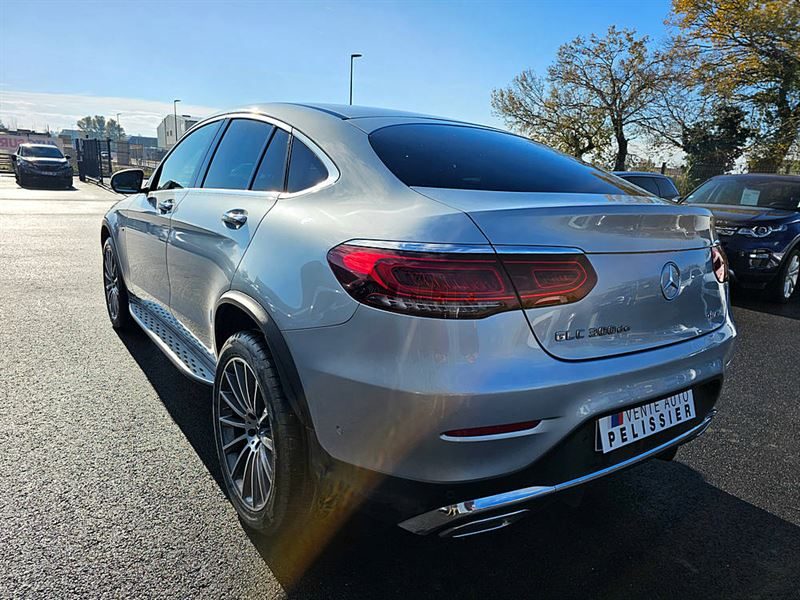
(168,334)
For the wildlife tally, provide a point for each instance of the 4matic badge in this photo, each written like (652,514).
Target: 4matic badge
(591,332)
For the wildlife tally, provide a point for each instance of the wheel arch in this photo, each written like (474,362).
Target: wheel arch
(236,311)
(105,232)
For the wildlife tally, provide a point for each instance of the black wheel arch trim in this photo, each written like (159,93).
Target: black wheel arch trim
(284,363)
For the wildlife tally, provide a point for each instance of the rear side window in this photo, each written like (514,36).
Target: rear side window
(305,169)
(646,183)
(271,173)
(472,158)
(182,165)
(237,155)
(667,188)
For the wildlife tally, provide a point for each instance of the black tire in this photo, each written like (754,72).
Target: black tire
(668,454)
(777,289)
(20,180)
(288,500)
(119,315)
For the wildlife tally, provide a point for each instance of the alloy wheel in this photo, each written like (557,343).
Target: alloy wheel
(111,281)
(245,431)
(792,271)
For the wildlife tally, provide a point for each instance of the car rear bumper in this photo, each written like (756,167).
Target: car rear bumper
(486,513)
(383,388)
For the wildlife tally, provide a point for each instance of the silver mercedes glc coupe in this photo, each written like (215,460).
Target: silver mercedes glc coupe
(440,321)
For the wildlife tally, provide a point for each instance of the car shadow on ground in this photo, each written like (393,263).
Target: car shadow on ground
(658,530)
(756,300)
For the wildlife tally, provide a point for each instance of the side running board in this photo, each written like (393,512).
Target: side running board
(171,337)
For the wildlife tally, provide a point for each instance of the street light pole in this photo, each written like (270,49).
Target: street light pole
(352,57)
(175,119)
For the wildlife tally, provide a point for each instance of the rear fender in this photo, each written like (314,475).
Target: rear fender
(284,363)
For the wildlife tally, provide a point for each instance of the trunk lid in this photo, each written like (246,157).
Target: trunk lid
(631,242)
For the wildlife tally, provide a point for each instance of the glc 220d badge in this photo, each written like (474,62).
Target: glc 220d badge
(579,334)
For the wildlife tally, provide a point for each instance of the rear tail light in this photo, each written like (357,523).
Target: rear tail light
(719,262)
(457,285)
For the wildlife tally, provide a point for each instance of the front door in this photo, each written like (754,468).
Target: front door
(145,222)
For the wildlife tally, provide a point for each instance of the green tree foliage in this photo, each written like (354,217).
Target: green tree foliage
(712,145)
(97,127)
(747,52)
(559,117)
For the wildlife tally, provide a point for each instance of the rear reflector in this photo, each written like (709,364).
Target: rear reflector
(491,430)
(455,285)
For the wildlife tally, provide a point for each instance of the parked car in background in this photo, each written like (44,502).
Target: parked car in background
(41,163)
(449,320)
(758,222)
(657,184)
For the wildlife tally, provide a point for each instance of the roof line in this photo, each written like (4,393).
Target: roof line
(325,110)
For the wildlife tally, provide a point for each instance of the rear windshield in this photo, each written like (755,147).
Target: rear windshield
(471,158)
(748,191)
(41,152)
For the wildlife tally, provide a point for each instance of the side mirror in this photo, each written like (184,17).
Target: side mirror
(67,156)
(128,181)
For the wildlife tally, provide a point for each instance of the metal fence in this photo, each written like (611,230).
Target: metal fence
(126,155)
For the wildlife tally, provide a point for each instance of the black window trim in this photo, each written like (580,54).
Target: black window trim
(261,160)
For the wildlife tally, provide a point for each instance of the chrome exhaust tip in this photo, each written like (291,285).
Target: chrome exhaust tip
(484,525)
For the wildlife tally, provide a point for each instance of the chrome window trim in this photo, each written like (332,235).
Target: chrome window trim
(333,172)
(432,520)
(330,166)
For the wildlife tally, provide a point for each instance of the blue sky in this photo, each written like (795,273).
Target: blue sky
(62,59)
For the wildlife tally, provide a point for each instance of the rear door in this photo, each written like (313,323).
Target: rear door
(145,220)
(213,225)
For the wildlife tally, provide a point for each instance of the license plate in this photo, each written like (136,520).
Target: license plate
(51,173)
(634,424)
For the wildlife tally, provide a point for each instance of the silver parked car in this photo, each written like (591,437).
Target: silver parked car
(443,321)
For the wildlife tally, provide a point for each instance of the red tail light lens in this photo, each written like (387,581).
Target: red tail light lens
(454,285)
(544,280)
(719,262)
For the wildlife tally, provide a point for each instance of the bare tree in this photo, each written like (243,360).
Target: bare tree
(598,89)
(618,74)
(560,117)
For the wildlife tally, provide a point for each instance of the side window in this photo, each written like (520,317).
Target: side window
(271,173)
(237,155)
(647,183)
(667,188)
(305,169)
(182,165)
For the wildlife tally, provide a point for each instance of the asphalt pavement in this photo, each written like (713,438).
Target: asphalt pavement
(109,485)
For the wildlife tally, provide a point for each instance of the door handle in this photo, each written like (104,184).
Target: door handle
(235,217)
(165,206)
